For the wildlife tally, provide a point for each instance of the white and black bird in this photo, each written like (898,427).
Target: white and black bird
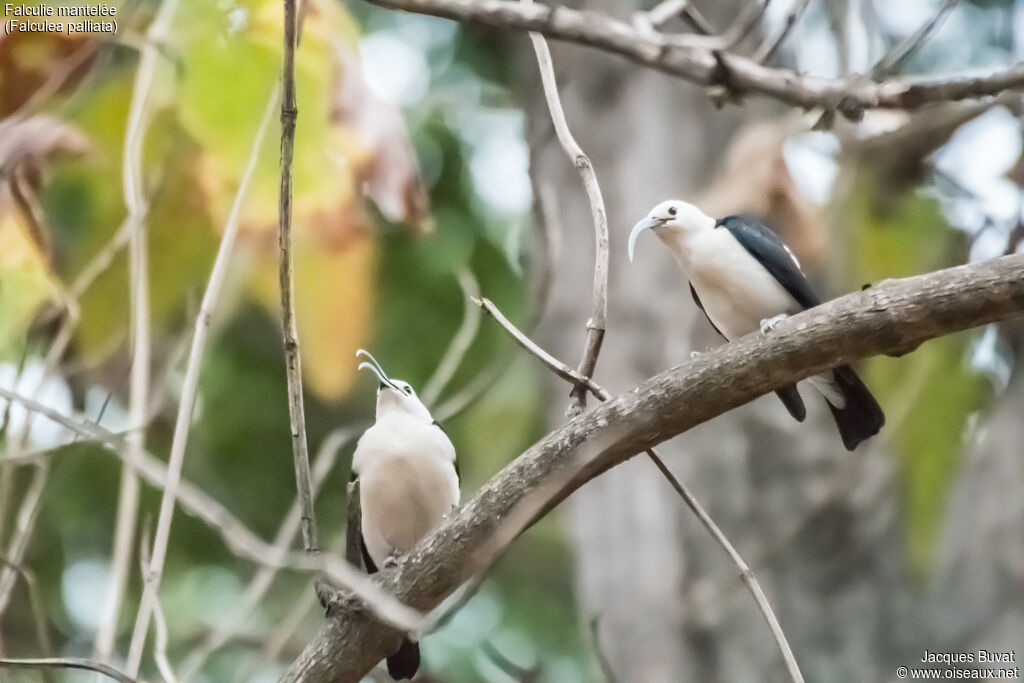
(408,483)
(744,278)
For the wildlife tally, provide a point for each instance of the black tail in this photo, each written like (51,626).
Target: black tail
(861,417)
(406,662)
(794,404)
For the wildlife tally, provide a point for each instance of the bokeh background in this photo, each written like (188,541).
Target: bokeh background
(427,171)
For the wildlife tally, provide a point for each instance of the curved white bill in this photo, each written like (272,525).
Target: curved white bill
(377,370)
(645,223)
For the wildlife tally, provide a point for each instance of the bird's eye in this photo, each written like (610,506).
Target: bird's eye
(408,390)
(671,211)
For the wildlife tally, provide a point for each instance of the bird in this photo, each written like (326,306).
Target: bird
(408,483)
(744,279)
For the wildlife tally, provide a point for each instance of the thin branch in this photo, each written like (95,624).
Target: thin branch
(232,623)
(190,388)
(746,575)
(771,45)
(599,306)
(892,317)
(238,538)
(700,62)
(748,18)
(602,660)
(289,328)
(552,363)
(36,605)
(28,512)
(291,622)
(135,200)
(68,663)
(163,664)
(889,63)
(459,344)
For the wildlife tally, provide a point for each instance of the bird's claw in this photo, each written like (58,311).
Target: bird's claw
(769,324)
(694,355)
(391,560)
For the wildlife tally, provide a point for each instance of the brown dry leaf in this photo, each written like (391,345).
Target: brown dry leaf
(30,62)
(754,179)
(26,280)
(27,146)
(387,167)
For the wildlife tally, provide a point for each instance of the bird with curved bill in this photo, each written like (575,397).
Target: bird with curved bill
(744,279)
(408,483)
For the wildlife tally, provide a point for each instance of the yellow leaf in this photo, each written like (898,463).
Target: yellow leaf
(25,283)
(333,305)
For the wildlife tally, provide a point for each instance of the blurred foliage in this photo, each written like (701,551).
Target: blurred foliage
(930,394)
(378,274)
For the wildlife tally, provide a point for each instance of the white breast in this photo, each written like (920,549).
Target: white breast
(407,483)
(736,290)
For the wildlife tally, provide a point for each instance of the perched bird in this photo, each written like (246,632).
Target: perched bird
(408,483)
(744,278)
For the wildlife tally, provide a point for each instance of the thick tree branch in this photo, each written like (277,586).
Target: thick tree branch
(891,318)
(698,59)
(746,574)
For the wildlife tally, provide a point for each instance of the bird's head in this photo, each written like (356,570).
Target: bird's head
(393,394)
(669,219)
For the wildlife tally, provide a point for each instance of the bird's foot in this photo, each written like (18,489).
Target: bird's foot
(694,355)
(769,324)
(392,560)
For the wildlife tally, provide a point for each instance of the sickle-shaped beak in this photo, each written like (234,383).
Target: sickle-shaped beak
(381,377)
(375,367)
(647,222)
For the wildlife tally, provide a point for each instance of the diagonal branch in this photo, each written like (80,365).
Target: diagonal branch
(746,574)
(190,389)
(909,45)
(697,58)
(52,663)
(890,318)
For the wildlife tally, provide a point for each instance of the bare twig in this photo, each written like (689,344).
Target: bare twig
(189,390)
(67,663)
(459,344)
(24,523)
(277,640)
(163,664)
(137,205)
(36,605)
(744,24)
(769,46)
(553,364)
(700,62)
(238,538)
(892,60)
(292,355)
(746,575)
(232,623)
(599,307)
(602,660)
(893,317)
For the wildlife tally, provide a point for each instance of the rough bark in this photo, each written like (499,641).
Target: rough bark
(703,60)
(893,317)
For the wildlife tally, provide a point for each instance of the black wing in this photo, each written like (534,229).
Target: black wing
(789,395)
(765,246)
(696,300)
